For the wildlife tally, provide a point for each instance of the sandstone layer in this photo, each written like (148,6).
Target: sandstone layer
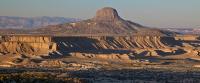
(31,45)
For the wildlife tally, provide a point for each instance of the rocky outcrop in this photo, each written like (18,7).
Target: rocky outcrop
(187,37)
(107,14)
(31,45)
(123,57)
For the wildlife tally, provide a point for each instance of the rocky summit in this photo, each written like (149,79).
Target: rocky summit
(107,14)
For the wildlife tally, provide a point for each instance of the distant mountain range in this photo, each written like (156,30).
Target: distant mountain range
(32,22)
(184,30)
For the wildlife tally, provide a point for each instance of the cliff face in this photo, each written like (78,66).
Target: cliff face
(105,42)
(37,45)
(32,45)
(42,45)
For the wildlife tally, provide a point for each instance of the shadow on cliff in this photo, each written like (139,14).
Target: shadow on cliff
(170,41)
(74,43)
(67,45)
(175,52)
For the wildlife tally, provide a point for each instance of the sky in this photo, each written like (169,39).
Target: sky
(153,13)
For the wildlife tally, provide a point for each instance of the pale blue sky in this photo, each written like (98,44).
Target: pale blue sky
(155,13)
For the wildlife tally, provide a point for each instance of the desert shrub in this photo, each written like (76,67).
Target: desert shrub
(35,78)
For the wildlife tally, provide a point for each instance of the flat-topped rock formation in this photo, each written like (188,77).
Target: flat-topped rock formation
(105,22)
(107,14)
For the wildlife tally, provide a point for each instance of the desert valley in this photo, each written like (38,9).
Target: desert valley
(103,49)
